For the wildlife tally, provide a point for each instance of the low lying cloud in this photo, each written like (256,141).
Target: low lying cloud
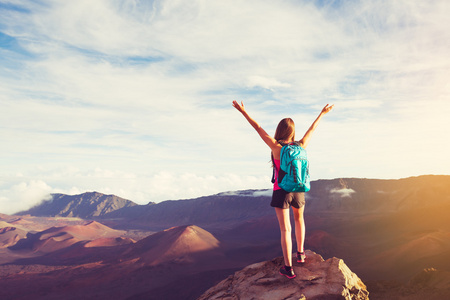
(22,193)
(258,193)
(267,192)
(344,192)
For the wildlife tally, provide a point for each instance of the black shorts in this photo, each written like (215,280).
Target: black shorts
(283,199)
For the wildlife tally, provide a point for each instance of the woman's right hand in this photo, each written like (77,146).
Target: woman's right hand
(239,107)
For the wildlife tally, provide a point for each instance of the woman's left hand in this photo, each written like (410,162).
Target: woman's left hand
(327,108)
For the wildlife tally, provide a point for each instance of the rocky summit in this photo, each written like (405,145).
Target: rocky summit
(316,279)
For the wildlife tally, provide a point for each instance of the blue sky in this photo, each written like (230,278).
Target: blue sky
(134,98)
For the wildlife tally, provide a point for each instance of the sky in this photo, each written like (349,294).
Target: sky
(133,98)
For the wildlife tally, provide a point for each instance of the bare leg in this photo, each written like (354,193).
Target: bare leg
(299,227)
(286,238)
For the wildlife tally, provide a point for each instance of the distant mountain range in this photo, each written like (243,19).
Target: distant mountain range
(378,196)
(344,195)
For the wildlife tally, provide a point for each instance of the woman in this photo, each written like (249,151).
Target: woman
(282,200)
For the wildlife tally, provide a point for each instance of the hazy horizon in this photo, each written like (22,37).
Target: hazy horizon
(342,192)
(133,98)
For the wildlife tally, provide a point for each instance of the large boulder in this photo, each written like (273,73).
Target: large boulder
(316,279)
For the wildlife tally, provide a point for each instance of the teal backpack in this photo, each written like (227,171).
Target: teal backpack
(294,168)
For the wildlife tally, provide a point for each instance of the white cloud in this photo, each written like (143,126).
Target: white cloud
(343,192)
(267,83)
(246,193)
(145,88)
(155,188)
(267,193)
(23,195)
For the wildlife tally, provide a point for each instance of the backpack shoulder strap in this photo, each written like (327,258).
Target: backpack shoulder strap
(273,173)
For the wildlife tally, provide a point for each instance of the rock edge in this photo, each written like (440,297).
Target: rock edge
(316,279)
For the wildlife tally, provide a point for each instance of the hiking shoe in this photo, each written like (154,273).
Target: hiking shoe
(288,272)
(301,256)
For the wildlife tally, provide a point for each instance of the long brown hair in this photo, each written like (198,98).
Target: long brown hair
(285,132)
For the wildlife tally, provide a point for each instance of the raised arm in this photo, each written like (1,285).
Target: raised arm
(305,140)
(270,141)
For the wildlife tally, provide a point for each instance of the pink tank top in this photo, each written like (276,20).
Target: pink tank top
(276,162)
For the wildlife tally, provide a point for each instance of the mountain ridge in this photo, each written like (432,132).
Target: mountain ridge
(86,205)
(340,195)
